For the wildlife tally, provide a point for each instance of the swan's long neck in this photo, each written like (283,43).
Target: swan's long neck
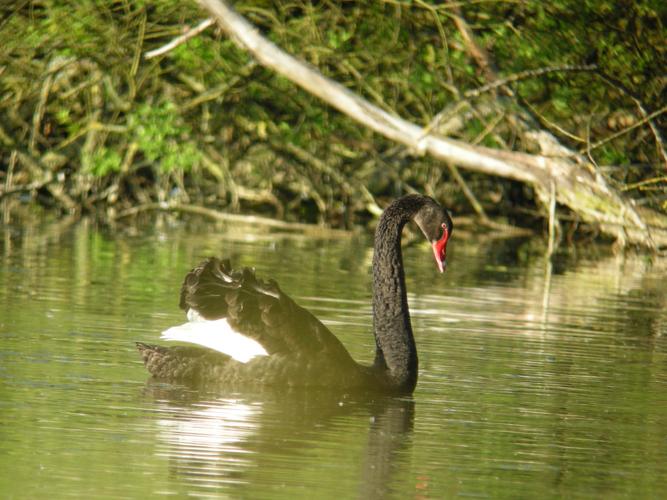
(396,352)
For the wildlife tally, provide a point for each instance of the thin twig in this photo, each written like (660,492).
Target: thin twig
(588,141)
(659,141)
(39,112)
(467,192)
(10,170)
(136,58)
(22,188)
(443,37)
(180,39)
(630,128)
(478,53)
(220,90)
(640,185)
(488,129)
(529,73)
(226,217)
(36,169)
(448,111)
(552,220)
(551,124)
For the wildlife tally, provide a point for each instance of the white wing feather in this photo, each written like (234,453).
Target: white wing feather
(217,335)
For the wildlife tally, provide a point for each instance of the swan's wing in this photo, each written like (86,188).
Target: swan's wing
(235,313)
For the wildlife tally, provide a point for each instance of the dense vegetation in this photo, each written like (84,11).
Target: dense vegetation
(86,121)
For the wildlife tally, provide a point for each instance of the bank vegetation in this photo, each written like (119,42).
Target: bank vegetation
(549,116)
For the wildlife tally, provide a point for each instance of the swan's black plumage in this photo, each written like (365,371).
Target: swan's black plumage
(301,350)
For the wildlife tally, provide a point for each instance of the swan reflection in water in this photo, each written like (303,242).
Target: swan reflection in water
(207,441)
(224,443)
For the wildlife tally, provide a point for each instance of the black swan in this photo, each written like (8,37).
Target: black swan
(252,333)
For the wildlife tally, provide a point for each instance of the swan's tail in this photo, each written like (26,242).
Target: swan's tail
(217,335)
(183,364)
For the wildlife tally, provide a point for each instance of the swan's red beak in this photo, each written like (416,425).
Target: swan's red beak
(440,250)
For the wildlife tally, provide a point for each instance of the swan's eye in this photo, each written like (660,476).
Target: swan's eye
(445,230)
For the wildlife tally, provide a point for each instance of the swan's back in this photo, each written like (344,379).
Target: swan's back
(297,348)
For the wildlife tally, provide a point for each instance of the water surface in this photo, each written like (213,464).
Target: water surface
(538,379)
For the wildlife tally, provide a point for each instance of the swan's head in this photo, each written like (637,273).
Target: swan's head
(437,226)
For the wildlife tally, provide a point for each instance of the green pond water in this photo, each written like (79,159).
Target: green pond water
(537,379)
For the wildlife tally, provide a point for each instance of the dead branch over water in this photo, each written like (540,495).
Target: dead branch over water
(572,180)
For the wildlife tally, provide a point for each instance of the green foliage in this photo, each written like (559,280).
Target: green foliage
(279,143)
(191,56)
(104,161)
(626,39)
(163,137)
